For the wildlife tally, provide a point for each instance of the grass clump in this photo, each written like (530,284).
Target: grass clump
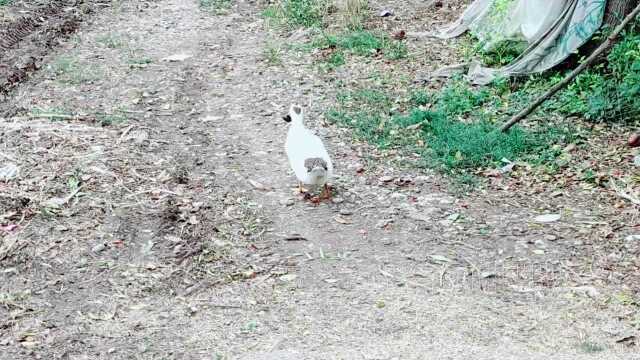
(71,71)
(215,5)
(501,54)
(610,91)
(451,135)
(358,43)
(298,13)
(5,2)
(273,54)
(112,41)
(362,43)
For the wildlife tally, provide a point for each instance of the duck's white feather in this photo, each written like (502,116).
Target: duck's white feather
(302,144)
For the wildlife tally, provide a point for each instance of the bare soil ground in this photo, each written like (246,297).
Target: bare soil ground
(154,214)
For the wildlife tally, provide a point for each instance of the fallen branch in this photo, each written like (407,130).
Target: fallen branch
(569,78)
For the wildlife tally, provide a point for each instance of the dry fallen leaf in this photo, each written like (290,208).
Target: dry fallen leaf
(258,185)
(343,220)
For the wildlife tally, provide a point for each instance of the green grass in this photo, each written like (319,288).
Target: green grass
(297,13)
(591,347)
(273,54)
(452,135)
(69,70)
(362,43)
(110,40)
(5,2)
(608,92)
(215,5)
(356,43)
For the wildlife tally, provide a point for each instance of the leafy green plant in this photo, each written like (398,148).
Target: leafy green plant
(273,54)
(607,92)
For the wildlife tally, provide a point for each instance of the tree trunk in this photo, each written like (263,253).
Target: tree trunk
(616,11)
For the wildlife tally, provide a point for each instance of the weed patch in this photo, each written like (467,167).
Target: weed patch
(71,71)
(338,47)
(111,41)
(610,91)
(451,135)
(215,5)
(297,13)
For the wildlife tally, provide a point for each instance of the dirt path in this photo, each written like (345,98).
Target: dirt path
(177,245)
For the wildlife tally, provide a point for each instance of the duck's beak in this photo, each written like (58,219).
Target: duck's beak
(287,118)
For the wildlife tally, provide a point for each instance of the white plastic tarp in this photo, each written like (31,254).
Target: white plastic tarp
(553,28)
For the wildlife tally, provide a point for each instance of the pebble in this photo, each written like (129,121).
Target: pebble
(287,202)
(550,237)
(547,218)
(386,179)
(98,248)
(540,244)
(337,200)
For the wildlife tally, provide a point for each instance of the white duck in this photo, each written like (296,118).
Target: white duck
(307,155)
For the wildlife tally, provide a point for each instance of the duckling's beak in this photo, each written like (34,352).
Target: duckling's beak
(287,118)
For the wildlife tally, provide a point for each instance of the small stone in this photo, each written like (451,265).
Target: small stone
(345,212)
(547,218)
(488,275)
(337,200)
(287,202)
(550,237)
(386,179)
(8,172)
(538,252)
(386,13)
(633,238)
(540,244)
(578,243)
(98,248)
